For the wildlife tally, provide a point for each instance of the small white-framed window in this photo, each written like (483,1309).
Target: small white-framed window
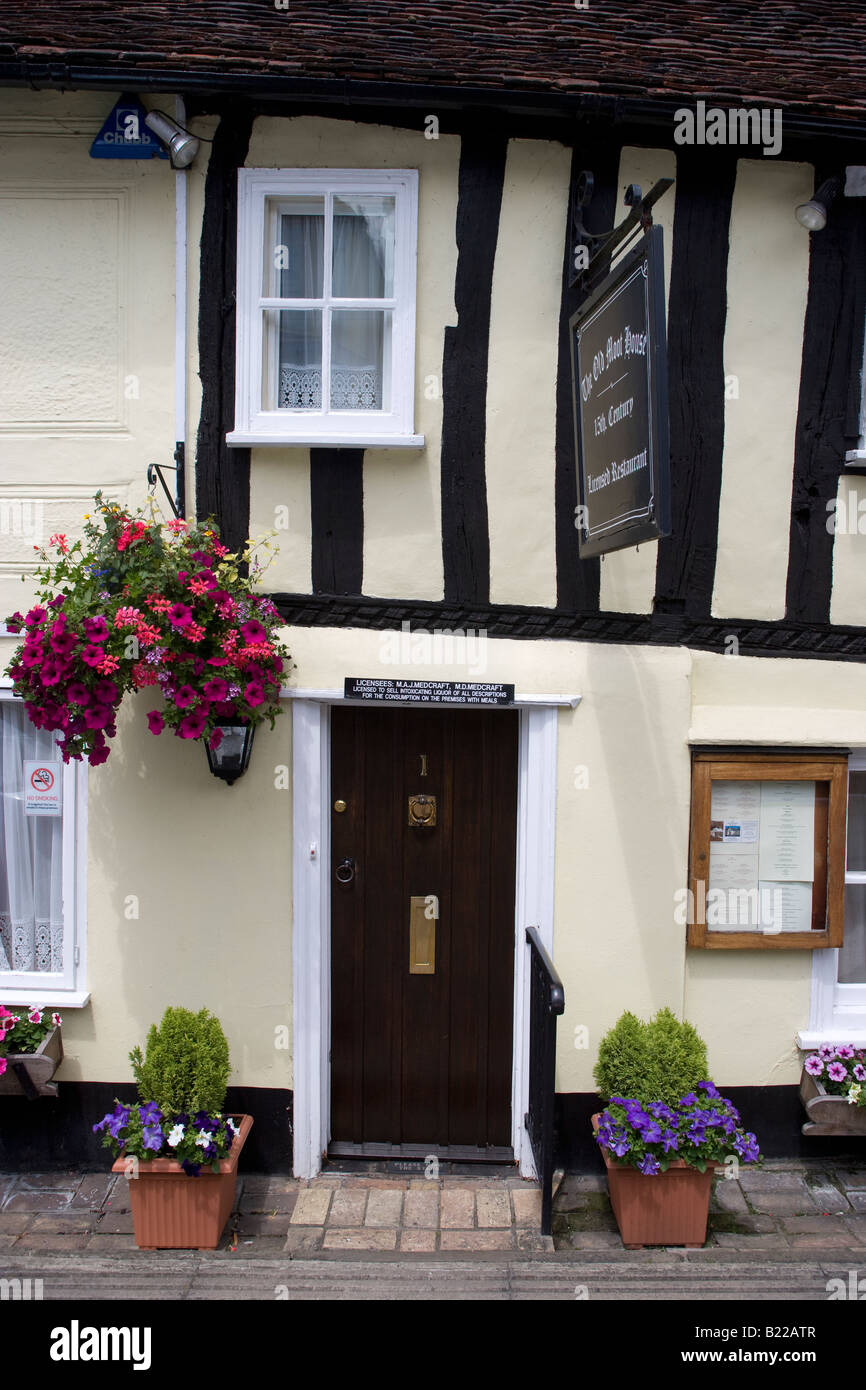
(326,274)
(42,866)
(838,1012)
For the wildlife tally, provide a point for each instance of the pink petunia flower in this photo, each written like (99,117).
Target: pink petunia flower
(253,632)
(34,617)
(34,1016)
(78,694)
(254,693)
(50,673)
(96,628)
(97,756)
(813,1064)
(837,1072)
(185,696)
(193,725)
(215,689)
(106,692)
(93,655)
(216,739)
(155,722)
(97,716)
(180,615)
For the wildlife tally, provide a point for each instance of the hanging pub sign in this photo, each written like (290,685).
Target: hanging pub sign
(619,384)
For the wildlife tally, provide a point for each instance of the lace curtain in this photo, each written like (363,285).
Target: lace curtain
(31,854)
(357,336)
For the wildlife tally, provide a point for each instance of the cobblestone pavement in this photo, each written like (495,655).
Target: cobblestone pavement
(783,1211)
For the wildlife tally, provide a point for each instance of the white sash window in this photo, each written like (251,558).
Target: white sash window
(326,307)
(41,869)
(838,1012)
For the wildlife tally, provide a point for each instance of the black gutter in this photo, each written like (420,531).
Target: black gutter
(341,91)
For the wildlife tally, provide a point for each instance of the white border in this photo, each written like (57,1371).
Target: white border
(311,962)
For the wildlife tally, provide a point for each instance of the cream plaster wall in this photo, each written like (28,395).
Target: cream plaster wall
(214,908)
(768,274)
(402,526)
(87,375)
(522,371)
(628,577)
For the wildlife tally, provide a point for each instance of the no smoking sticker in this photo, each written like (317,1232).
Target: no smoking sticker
(43,795)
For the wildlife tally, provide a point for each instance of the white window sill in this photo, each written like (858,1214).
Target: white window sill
(856,456)
(851,1033)
(47,999)
(237,439)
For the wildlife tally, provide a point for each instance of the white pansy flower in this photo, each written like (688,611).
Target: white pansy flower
(203,1139)
(235,1129)
(176,1135)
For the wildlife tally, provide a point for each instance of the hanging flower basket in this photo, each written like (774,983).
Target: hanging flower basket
(137,604)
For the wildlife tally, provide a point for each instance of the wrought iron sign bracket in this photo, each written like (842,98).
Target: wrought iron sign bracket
(154,472)
(589,247)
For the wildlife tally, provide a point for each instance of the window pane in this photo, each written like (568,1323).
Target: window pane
(292,359)
(31,853)
(857,821)
(294,248)
(363,248)
(361,359)
(852,956)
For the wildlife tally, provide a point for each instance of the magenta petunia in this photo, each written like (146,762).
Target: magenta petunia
(837,1072)
(78,694)
(215,690)
(185,696)
(97,756)
(32,656)
(224,709)
(92,655)
(180,615)
(106,692)
(193,725)
(216,739)
(96,628)
(254,693)
(51,672)
(217,661)
(64,643)
(253,632)
(97,716)
(205,577)
(57,601)
(203,558)
(155,722)
(34,617)
(813,1064)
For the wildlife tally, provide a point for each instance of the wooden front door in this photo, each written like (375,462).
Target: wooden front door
(421,1046)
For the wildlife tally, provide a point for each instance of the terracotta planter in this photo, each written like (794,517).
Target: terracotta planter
(668,1209)
(29,1073)
(171,1211)
(829,1114)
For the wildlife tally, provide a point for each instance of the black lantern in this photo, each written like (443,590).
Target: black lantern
(230,759)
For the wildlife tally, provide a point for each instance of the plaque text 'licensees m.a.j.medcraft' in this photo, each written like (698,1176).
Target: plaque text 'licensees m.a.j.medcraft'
(620,404)
(417,692)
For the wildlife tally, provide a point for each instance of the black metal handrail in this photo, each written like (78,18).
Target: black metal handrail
(546,1002)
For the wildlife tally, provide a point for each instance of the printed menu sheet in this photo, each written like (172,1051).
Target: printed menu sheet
(762,844)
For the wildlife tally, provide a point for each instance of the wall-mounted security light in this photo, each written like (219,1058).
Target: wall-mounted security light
(181,145)
(813,215)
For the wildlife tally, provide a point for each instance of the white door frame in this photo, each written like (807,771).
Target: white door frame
(311,895)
